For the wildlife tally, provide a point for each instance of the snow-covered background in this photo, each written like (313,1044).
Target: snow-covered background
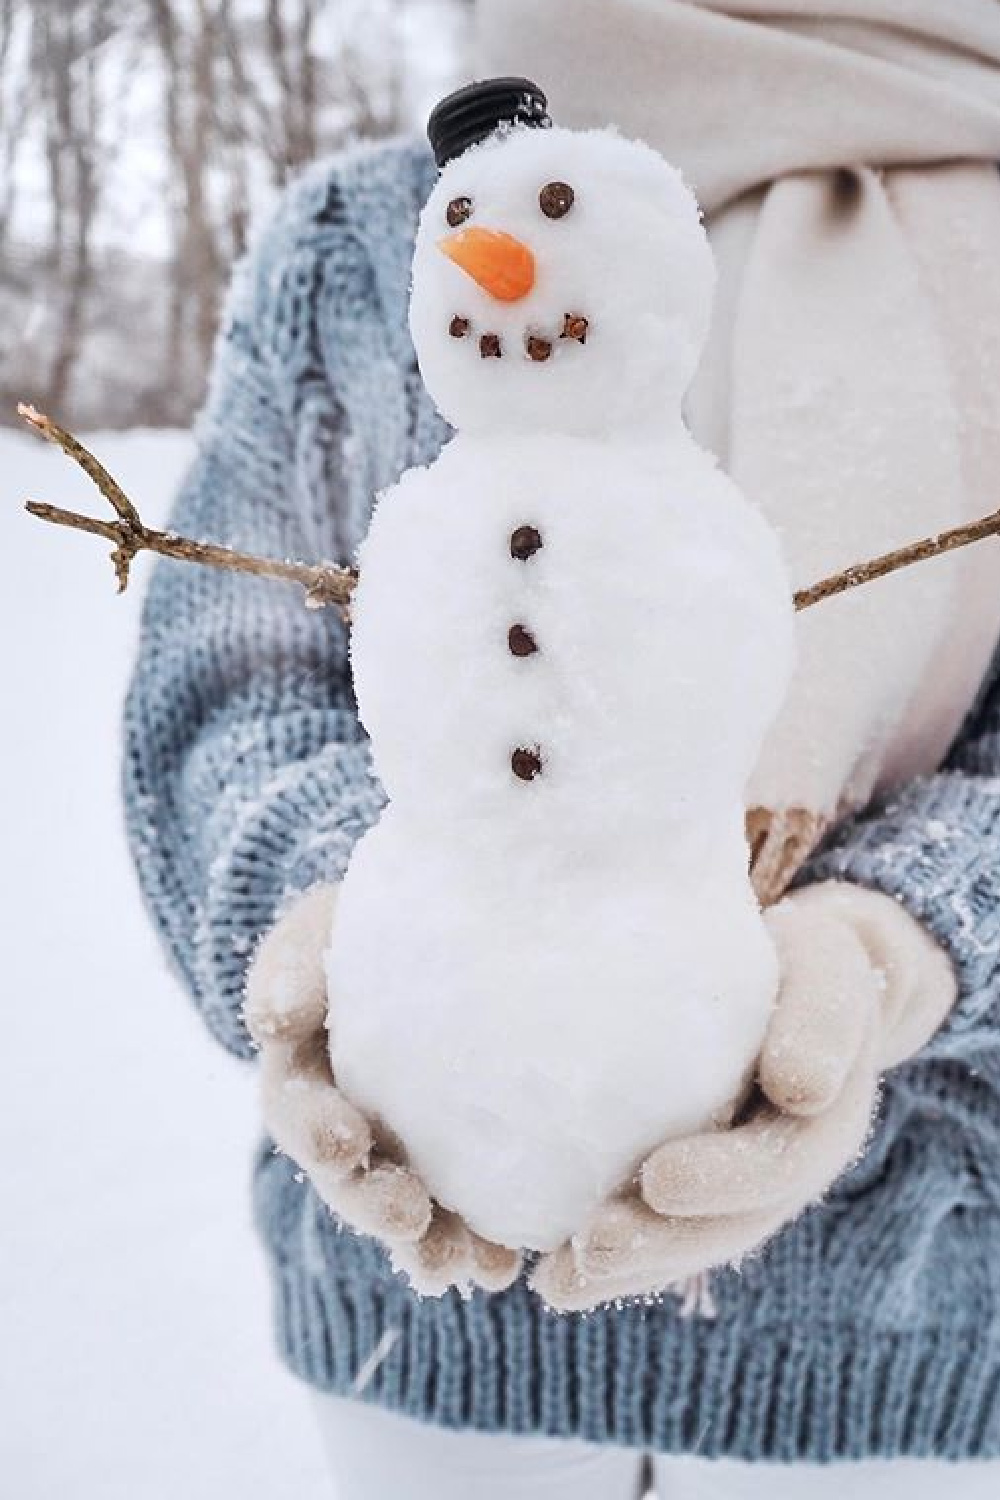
(135,1352)
(139,145)
(135,1335)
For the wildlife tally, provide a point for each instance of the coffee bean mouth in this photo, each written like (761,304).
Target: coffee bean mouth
(538,348)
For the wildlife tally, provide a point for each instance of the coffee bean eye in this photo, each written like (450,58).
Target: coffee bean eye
(458,211)
(556,199)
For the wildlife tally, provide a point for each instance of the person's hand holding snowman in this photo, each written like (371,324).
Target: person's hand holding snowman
(355,1165)
(863,988)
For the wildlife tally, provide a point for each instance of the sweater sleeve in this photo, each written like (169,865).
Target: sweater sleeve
(247,775)
(935,847)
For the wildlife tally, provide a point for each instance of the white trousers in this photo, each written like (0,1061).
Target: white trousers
(376,1455)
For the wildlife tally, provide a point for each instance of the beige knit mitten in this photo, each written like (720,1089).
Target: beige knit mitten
(863,988)
(355,1165)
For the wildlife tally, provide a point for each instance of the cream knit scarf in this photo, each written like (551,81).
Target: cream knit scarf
(845,157)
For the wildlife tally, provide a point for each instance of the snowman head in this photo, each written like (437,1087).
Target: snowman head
(562,281)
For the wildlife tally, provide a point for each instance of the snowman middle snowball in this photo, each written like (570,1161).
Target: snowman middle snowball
(570,636)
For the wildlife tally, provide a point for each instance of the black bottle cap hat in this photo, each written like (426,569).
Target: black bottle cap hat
(469,115)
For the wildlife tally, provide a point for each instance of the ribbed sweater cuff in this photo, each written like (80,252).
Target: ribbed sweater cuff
(784,1394)
(936,848)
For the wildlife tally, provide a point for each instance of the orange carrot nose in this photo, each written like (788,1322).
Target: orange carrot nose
(501,264)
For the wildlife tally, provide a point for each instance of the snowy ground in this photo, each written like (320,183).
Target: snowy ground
(135,1358)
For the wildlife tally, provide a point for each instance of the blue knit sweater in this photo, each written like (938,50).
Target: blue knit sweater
(869,1327)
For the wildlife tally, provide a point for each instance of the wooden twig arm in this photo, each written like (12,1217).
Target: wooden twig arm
(903,557)
(324,583)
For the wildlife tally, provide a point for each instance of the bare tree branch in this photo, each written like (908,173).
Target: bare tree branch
(324,583)
(76,103)
(244,97)
(17,100)
(91,466)
(902,557)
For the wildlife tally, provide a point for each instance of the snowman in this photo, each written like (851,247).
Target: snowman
(570,636)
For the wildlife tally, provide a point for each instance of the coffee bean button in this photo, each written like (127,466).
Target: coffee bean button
(525,542)
(521,641)
(526,764)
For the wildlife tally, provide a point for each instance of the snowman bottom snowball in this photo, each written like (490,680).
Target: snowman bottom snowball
(528,1049)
